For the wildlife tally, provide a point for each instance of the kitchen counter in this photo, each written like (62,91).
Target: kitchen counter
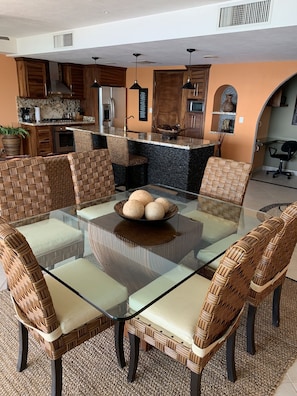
(180,142)
(53,123)
(177,162)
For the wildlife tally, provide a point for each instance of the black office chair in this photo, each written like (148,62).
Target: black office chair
(288,149)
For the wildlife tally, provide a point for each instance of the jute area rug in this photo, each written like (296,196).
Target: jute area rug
(91,369)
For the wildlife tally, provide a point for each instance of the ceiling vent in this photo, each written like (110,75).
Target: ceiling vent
(63,40)
(245,14)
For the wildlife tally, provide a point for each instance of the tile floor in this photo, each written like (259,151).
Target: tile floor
(257,196)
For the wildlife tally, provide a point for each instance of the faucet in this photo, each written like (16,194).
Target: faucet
(125,122)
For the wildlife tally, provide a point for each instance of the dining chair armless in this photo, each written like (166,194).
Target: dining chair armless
(225,180)
(93,180)
(192,322)
(25,192)
(118,147)
(271,272)
(57,318)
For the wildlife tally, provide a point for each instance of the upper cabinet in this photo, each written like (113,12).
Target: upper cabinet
(199,78)
(32,77)
(73,77)
(224,109)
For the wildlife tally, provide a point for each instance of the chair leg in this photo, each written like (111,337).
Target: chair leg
(196,384)
(23,348)
(134,355)
(119,342)
(230,357)
(250,329)
(56,368)
(276,306)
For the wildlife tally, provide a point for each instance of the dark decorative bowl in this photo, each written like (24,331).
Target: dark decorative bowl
(171,212)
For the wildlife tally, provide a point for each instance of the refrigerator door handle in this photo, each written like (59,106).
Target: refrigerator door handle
(112,110)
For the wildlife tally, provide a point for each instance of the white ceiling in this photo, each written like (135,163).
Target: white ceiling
(19,20)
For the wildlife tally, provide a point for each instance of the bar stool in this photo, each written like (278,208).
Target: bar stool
(119,153)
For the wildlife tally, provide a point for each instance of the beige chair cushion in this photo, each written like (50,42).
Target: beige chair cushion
(155,288)
(179,322)
(210,252)
(72,311)
(214,227)
(49,235)
(91,212)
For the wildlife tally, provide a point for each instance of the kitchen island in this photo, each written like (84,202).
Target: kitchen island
(178,162)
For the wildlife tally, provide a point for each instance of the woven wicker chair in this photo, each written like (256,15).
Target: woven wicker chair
(82,140)
(56,317)
(174,325)
(119,153)
(271,272)
(93,180)
(59,174)
(225,179)
(25,192)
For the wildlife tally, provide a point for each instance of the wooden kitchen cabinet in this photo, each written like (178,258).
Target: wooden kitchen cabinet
(73,76)
(167,99)
(199,78)
(32,77)
(40,140)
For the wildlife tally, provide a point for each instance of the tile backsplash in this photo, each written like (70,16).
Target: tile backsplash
(53,107)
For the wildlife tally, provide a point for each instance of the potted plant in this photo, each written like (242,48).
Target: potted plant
(11,139)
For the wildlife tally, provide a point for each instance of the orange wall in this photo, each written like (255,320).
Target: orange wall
(8,91)
(254,83)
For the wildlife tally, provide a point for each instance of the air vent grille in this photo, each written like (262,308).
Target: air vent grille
(245,14)
(63,40)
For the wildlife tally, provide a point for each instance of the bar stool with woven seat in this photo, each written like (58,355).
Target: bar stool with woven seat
(119,153)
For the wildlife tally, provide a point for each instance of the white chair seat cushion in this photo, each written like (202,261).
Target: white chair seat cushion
(210,252)
(91,212)
(47,236)
(157,287)
(73,311)
(214,227)
(177,312)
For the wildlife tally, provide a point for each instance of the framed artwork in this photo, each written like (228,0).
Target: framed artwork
(143,99)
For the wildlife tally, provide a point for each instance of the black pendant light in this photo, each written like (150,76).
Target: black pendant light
(188,84)
(136,85)
(95,83)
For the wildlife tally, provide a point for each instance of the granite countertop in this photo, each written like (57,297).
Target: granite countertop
(182,142)
(64,122)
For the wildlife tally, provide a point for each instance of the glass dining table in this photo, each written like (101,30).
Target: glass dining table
(150,258)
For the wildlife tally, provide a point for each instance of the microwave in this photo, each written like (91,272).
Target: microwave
(196,106)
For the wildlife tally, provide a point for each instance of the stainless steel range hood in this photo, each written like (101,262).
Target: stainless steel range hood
(57,87)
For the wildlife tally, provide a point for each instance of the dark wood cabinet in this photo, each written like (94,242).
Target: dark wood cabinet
(167,103)
(171,102)
(32,77)
(73,77)
(40,140)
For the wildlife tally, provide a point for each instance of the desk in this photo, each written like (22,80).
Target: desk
(130,252)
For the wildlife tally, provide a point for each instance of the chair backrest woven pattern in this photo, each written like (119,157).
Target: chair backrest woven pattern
(82,140)
(118,149)
(25,280)
(279,251)
(230,284)
(92,175)
(225,179)
(24,188)
(61,185)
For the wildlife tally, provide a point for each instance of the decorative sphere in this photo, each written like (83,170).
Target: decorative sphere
(154,211)
(133,209)
(163,201)
(142,195)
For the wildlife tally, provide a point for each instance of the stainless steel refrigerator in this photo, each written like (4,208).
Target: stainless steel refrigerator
(112,107)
